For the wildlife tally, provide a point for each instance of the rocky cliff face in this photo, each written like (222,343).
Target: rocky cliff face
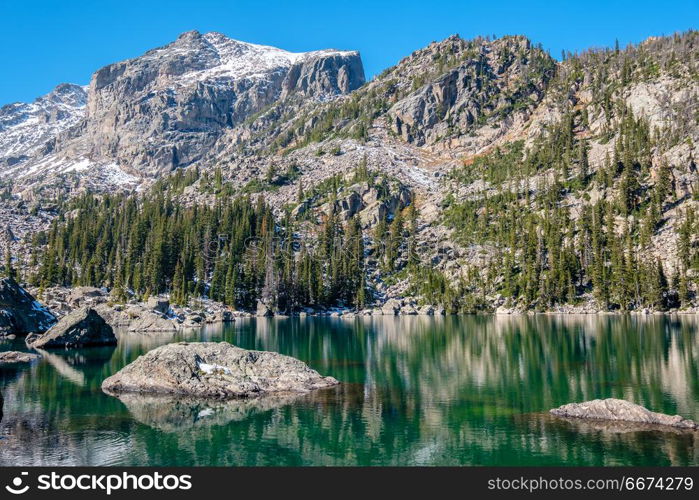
(480,81)
(166,109)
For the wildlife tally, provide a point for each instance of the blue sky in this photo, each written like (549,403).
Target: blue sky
(44,43)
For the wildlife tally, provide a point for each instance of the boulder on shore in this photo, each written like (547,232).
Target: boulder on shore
(12,357)
(82,296)
(20,313)
(263,310)
(391,307)
(426,310)
(621,411)
(158,304)
(151,322)
(214,370)
(83,327)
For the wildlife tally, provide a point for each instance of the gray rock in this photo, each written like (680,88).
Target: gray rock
(82,328)
(623,411)
(85,295)
(457,100)
(11,357)
(151,322)
(220,317)
(194,320)
(391,307)
(20,313)
(408,310)
(159,305)
(214,370)
(426,311)
(263,310)
(136,318)
(168,107)
(28,127)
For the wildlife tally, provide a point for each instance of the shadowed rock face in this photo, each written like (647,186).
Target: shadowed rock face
(82,328)
(214,370)
(621,411)
(20,313)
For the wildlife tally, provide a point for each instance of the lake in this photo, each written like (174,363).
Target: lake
(469,390)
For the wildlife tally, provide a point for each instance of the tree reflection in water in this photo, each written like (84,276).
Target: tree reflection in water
(416,391)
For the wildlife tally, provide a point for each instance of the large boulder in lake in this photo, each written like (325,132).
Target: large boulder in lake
(83,327)
(621,411)
(214,370)
(20,313)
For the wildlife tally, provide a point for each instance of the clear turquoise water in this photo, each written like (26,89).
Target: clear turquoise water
(416,391)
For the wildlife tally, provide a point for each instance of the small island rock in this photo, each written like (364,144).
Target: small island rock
(12,357)
(621,411)
(214,370)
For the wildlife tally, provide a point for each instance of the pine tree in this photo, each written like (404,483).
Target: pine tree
(10,271)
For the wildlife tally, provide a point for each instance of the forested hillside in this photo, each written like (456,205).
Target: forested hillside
(475,175)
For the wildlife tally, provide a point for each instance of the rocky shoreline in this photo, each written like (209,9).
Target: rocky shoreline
(157,315)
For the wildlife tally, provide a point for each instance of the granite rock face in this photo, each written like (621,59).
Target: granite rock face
(214,370)
(622,411)
(479,87)
(143,117)
(167,108)
(20,313)
(83,327)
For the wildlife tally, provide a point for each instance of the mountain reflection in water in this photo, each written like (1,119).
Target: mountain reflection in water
(469,390)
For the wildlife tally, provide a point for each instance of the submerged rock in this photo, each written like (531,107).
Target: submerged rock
(214,370)
(17,357)
(621,411)
(20,313)
(82,328)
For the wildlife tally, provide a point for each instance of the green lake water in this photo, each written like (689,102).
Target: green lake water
(471,390)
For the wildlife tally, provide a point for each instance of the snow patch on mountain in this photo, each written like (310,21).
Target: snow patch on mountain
(238,60)
(25,128)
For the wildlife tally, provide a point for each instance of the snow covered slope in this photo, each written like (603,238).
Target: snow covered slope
(25,128)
